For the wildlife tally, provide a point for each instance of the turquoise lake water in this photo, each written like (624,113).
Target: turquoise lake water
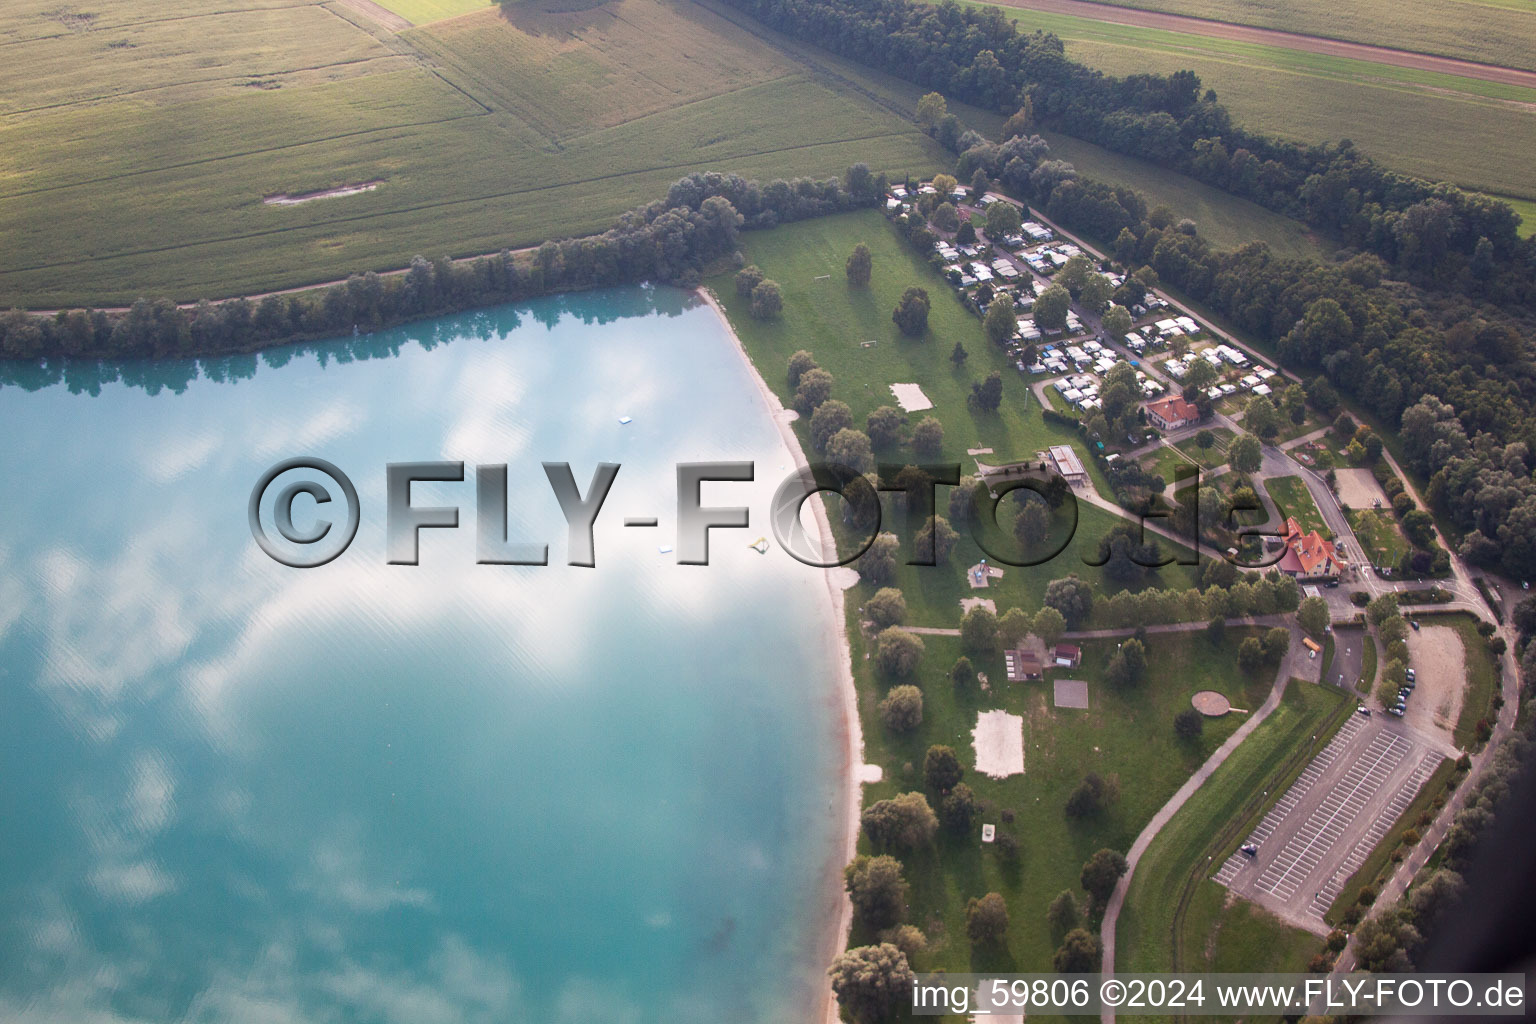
(236,791)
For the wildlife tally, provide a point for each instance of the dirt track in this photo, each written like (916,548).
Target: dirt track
(1273,37)
(383,16)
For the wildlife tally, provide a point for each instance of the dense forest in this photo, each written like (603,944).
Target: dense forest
(1433,232)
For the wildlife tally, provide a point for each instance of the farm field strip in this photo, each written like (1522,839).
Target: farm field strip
(460,173)
(1499,32)
(1215,28)
(1481,129)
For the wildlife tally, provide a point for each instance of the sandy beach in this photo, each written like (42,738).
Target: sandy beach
(837,580)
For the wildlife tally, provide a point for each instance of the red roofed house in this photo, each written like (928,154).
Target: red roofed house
(1308,555)
(1068,655)
(1172,413)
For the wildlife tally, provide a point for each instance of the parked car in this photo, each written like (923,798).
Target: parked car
(1414,623)
(1361,709)
(1411,675)
(1395,711)
(1251,849)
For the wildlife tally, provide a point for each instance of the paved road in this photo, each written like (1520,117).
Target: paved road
(1275,37)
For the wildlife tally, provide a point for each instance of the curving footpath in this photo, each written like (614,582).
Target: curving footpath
(1296,665)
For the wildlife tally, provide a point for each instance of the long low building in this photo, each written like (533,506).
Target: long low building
(1068,464)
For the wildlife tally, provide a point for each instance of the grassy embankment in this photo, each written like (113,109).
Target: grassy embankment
(1175,917)
(1482,677)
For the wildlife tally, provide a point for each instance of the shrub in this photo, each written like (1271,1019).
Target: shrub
(902,709)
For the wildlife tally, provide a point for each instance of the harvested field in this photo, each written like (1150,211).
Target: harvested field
(492,136)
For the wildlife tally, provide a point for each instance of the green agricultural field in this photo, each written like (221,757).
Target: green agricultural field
(1442,127)
(832,320)
(1294,501)
(1226,804)
(421,12)
(1227,220)
(479,139)
(1124,736)
(1489,31)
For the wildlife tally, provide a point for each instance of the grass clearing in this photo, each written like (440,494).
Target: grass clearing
(1167,462)
(1478,127)
(1190,843)
(1377,530)
(1228,934)
(1527,211)
(1294,501)
(1227,220)
(1216,454)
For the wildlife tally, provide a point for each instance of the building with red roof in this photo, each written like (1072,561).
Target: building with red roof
(1308,555)
(1172,413)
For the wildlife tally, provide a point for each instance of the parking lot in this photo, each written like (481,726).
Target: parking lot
(1325,824)
(1348,658)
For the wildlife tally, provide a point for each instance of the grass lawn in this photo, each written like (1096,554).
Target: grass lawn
(827,317)
(1482,678)
(1228,934)
(1166,462)
(420,12)
(1190,847)
(1125,736)
(1294,501)
(1527,211)
(1211,457)
(1378,531)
